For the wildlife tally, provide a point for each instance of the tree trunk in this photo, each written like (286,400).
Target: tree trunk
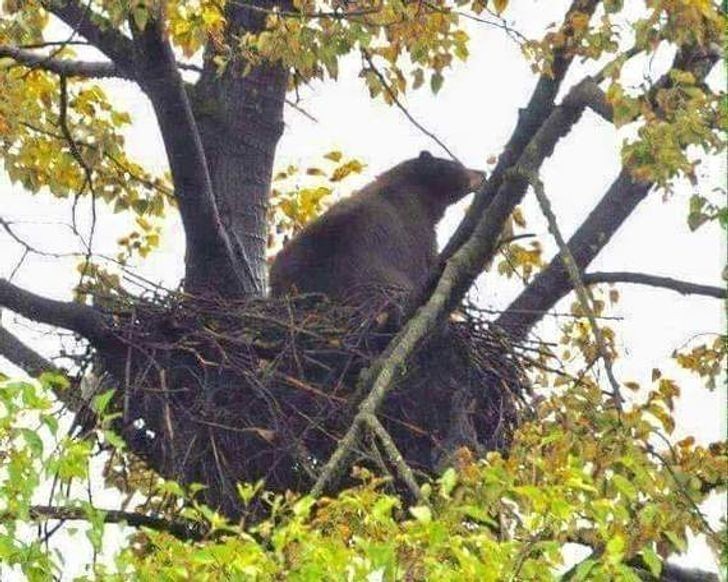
(240,119)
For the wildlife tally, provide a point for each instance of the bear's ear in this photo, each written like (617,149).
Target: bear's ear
(425,156)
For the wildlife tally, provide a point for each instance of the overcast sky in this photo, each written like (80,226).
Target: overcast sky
(474,115)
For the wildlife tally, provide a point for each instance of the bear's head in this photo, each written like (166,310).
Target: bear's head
(437,181)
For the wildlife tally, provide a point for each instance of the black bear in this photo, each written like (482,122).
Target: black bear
(382,237)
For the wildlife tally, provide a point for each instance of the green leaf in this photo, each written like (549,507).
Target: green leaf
(677,541)
(436,82)
(34,442)
(625,487)
(303,506)
(421,513)
(615,547)
(101,401)
(583,570)
(140,15)
(382,510)
(448,481)
(652,560)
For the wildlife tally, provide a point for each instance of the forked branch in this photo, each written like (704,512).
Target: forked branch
(95,29)
(211,257)
(617,204)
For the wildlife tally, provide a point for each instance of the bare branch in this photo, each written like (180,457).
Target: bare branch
(402,108)
(180,528)
(393,454)
(77,317)
(64,67)
(93,28)
(682,287)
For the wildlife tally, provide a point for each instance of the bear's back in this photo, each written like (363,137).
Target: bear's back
(361,243)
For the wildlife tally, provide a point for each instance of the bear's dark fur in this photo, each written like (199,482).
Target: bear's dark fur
(382,237)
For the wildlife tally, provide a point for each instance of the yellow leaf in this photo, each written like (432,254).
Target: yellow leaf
(334,156)
(350,167)
(500,5)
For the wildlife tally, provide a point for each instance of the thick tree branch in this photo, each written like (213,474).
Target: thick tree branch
(530,118)
(77,317)
(682,287)
(102,35)
(21,355)
(63,67)
(211,258)
(34,364)
(620,200)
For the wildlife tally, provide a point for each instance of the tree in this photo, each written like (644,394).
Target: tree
(172,363)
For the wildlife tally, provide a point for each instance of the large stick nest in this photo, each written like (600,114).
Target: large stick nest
(218,392)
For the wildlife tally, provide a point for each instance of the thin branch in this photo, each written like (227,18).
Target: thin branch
(185,530)
(73,67)
(29,248)
(293,105)
(335,14)
(393,96)
(65,67)
(393,454)
(584,294)
(77,317)
(682,287)
(85,168)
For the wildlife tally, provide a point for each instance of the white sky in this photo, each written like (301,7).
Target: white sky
(474,115)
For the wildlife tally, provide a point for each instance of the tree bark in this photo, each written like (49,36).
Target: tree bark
(240,118)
